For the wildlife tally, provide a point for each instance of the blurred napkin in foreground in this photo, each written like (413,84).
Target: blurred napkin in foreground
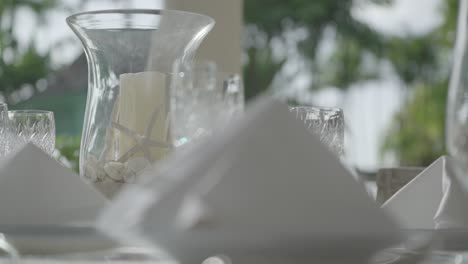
(263,190)
(435,199)
(36,190)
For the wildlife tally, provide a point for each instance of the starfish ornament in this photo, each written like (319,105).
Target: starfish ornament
(143,142)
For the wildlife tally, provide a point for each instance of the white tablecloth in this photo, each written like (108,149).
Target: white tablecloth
(387,257)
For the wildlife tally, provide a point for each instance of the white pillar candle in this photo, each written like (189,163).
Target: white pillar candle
(141,94)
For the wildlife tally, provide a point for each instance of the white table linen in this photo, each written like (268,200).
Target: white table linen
(262,189)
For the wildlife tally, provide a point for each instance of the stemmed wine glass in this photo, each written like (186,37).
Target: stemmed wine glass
(202,98)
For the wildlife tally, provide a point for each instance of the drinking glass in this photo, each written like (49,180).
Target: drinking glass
(3,129)
(327,123)
(233,93)
(33,126)
(203,98)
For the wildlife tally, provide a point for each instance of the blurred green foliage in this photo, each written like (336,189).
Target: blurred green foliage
(416,135)
(23,67)
(69,151)
(421,62)
(270,21)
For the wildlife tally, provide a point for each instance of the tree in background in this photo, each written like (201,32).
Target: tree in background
(358,48)
(421,62)
(21,65)
(416,135)
(23,69)
(270,22)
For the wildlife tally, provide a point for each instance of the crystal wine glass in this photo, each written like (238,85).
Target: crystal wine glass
(32,126)
(327,123)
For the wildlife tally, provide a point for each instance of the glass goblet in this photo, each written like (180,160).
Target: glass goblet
(326,123)
(33,126)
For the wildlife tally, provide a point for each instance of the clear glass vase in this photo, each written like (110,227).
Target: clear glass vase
(130,56)
(457,103)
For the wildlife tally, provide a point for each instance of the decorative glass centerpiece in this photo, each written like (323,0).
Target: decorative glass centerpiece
(457,102)
(130,56)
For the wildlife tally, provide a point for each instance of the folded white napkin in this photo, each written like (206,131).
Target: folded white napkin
(36,190)
(263,190)
(434,199)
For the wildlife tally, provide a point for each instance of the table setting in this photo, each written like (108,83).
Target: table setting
(175,167)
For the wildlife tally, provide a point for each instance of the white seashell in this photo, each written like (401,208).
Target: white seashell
(136,165)
(130,176)
(90,173)
(115,170)
(108,187)
(92,160)
(100,173)
(94,170)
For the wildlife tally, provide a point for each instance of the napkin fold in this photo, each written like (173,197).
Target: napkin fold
(36,190)
(435,199)
(261,190)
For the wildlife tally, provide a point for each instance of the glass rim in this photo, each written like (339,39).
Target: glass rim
(36,112)
(318,109)
(74,18)
(218,75)
(202,65)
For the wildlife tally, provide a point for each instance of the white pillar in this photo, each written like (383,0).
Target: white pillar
(224,43)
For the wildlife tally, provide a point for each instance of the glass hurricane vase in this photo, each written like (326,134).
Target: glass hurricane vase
(130,54)
(457,104)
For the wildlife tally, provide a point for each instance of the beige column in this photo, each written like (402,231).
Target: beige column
(224,43)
